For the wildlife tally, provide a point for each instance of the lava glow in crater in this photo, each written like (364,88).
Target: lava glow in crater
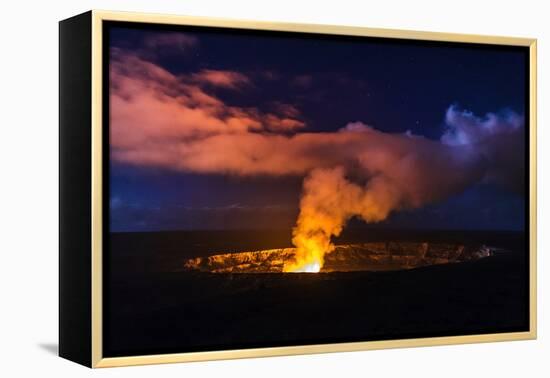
(313,267)
(371,256)
(310,253)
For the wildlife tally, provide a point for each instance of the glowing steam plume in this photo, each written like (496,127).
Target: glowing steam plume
(328,202)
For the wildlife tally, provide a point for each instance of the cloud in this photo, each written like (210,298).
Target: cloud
(154,112)
(219,78)
(161,119)
(153,46)
(498,137)
(464,127)
(286,109)
(278,124)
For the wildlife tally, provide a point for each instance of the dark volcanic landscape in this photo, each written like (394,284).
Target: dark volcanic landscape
(154,304)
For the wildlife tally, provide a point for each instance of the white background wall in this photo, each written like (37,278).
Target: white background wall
(29,174)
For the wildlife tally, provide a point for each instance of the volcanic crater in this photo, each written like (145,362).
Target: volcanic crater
(374,256)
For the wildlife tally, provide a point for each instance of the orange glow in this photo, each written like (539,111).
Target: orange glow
(310,252)
(324,210)
(372,256)
(313,267)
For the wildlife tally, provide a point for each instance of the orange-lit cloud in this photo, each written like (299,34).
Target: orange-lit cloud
(225,79)
(153,109)
(158,118)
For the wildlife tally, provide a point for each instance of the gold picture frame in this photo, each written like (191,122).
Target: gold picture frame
(97,17)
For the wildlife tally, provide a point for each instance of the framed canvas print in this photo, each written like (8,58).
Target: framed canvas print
(237,188)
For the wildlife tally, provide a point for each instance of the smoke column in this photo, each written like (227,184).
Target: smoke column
(399,175)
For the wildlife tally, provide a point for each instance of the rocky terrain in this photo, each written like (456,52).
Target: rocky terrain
(375,256)
(155,304)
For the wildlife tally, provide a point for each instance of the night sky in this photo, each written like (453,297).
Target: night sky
(394,87)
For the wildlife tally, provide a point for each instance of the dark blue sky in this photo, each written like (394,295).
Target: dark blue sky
(392,86)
